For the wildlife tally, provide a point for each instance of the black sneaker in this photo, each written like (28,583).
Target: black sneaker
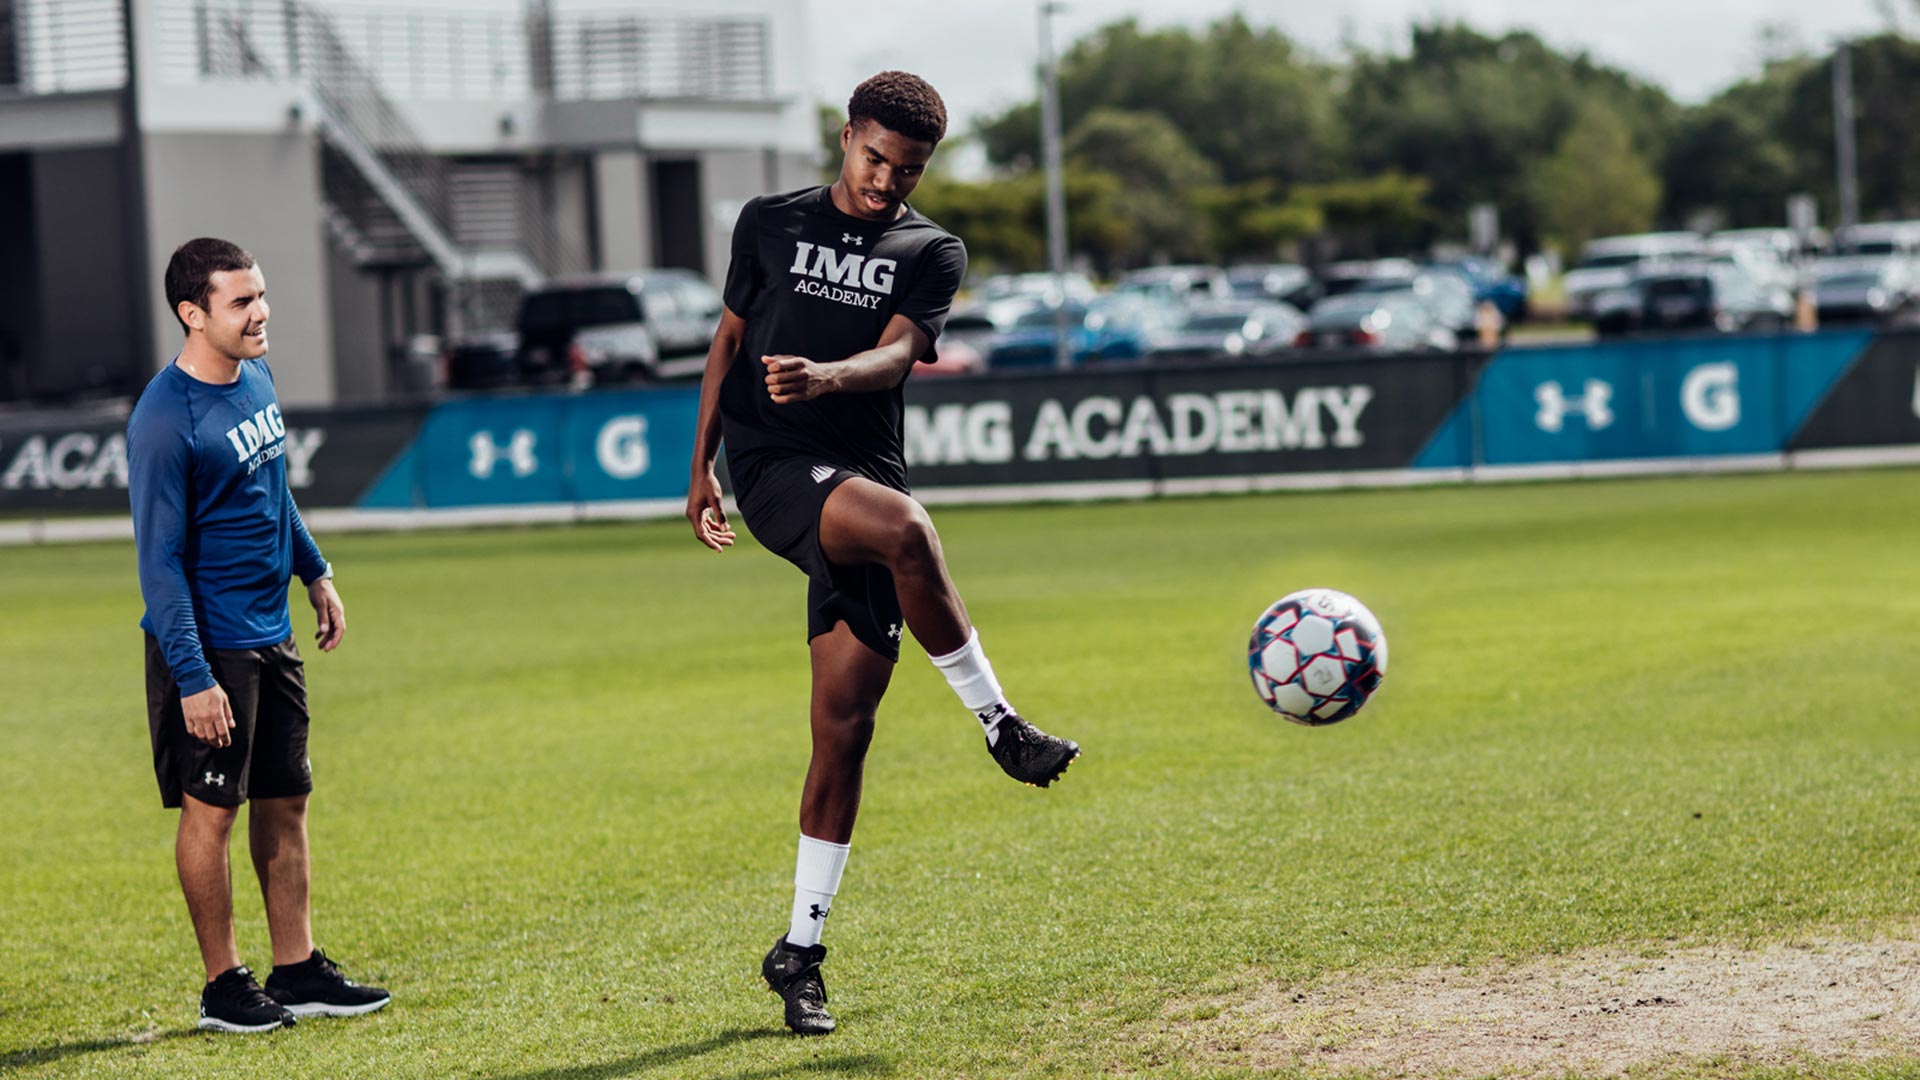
(794,974)
(234,1002)
(315,987)
(1030,755)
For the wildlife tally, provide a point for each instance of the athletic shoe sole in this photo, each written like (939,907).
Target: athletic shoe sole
(1057,773)
(320,1008)
(212,1023)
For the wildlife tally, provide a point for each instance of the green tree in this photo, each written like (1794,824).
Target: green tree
(1595,184)
(1476,115)
(1886,83)
(1247,99)
(1728,158)
(1157,171)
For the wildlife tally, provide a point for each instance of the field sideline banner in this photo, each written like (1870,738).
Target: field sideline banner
(1656,405)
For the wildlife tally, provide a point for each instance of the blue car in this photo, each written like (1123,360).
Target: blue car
(1112,328)
(1508,292)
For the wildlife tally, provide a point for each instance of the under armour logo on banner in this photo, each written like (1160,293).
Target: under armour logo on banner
(1594,405)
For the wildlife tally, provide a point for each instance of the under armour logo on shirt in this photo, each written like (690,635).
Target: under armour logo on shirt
(849,238)
(819,913)
(822,473)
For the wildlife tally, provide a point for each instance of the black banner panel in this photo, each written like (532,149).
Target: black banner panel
(1234,419)
(332,458)
(1876,403)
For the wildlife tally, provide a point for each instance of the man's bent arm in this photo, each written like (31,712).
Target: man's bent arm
(795,378)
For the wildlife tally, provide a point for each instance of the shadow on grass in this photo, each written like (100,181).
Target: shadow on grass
(660,1057)
(41,1055)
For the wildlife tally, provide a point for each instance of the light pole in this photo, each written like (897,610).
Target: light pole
(1056,193)
(1845,162)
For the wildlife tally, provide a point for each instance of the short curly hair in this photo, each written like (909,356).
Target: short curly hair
(902,102)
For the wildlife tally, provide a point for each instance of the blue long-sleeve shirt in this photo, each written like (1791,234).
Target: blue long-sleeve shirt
(214,524)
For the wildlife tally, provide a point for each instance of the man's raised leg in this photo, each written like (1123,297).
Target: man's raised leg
(864,523)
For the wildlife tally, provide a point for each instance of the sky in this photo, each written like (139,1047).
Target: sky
(981,54)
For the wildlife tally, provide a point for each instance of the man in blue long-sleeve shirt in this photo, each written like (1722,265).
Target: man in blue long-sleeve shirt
(218,539)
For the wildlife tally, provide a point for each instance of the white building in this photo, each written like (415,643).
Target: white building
(397,170)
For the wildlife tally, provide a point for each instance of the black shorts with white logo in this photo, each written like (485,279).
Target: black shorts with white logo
(267,759)
(781,496)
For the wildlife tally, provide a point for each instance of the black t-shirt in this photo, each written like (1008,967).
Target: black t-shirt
(812,281)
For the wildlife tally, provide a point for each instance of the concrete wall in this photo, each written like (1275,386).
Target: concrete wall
(261,191)
(622,204)
(728,178)
(354,309)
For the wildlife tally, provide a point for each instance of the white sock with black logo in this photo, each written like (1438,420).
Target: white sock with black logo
(971,677)
(816,877)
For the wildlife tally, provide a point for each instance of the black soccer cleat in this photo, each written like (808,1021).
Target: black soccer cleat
(794,974)
(1030,755)
(316,987)
(233,1002)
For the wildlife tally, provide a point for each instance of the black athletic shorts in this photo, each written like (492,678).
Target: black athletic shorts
(267,688)
(781,496)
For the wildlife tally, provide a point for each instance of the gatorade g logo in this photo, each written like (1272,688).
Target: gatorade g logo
(1710,396)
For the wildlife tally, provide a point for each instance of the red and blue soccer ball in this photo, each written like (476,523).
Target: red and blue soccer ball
(1316,656)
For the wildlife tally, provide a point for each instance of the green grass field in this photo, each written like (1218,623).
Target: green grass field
(557,774)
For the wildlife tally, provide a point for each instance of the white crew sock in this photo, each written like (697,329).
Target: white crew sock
(816,877)
(971,677)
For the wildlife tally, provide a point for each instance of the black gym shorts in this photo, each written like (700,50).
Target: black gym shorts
(267,759)
(780,496)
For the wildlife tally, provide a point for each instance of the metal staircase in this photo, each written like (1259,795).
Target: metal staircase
(389,201)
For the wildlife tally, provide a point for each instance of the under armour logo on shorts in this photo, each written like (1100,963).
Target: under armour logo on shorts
(822,473)
(215,779)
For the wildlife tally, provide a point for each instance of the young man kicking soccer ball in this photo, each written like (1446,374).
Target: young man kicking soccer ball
(832,296)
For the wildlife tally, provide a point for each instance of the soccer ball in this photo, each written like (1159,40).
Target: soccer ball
(1316,656)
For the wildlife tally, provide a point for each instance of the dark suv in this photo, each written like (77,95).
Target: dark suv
(652,325)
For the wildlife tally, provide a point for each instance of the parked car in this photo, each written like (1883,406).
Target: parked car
(654,325)
(1288,283)
(1115,327)
(1377,275)
(1029,342)
(1490,284)
(1611,262)
(1899,239)
(1387,321)
(485,361)
(1855,289)
(1042,286)
(1228,328)
(953,356)
(1448,297)
(1176,284)
(1696,296)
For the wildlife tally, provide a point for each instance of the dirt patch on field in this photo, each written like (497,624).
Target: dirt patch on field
(1595,1013)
